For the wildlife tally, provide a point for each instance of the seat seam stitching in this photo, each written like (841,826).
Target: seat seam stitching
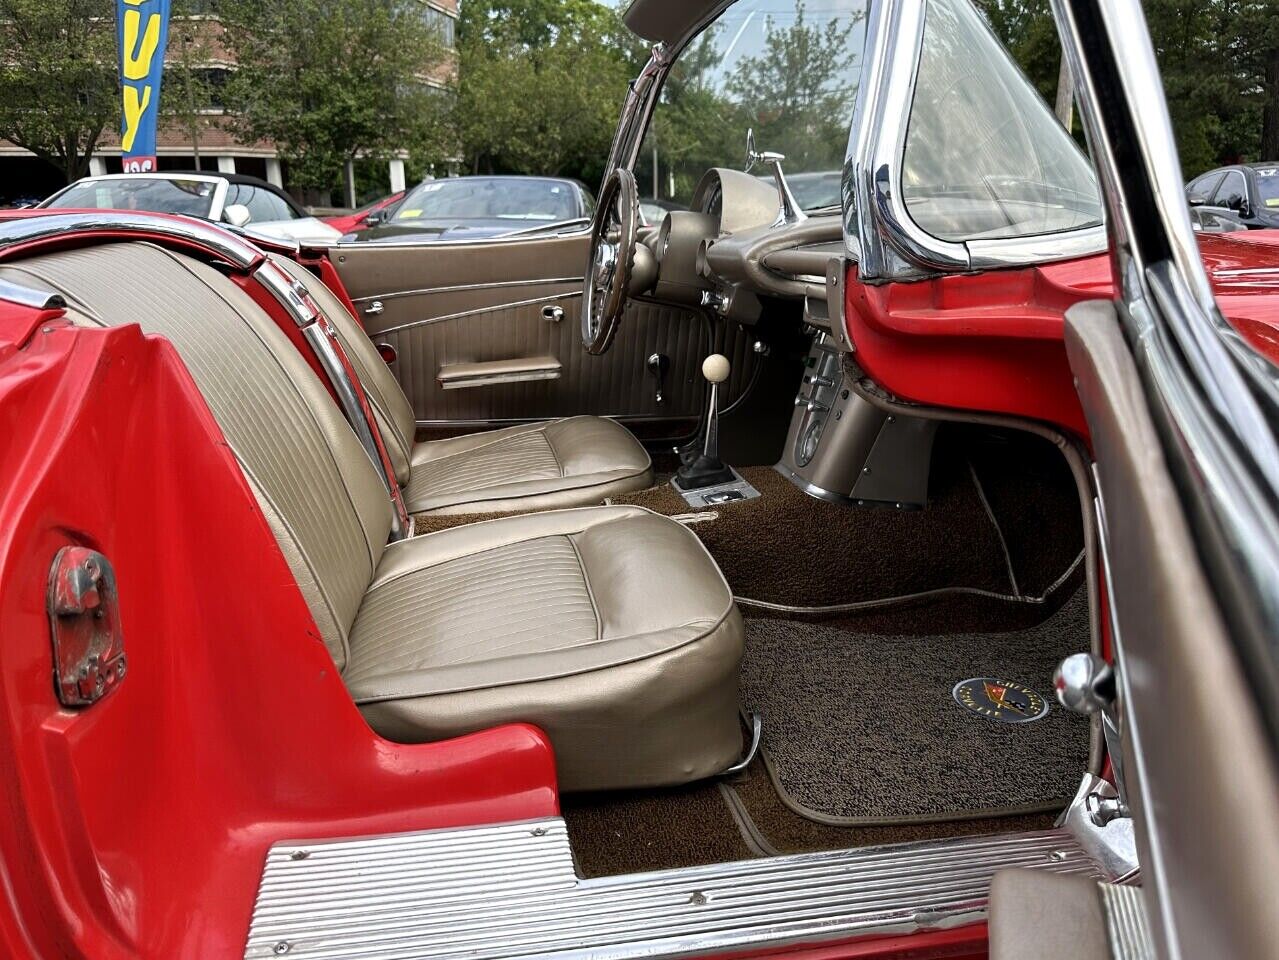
(586,582)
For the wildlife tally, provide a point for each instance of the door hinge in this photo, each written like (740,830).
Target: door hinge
(88,648)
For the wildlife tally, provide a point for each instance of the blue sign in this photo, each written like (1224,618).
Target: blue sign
(142,33)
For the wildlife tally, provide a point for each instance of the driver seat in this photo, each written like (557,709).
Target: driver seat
(578,461)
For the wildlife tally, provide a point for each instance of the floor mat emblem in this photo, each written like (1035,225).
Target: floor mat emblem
(1001,700)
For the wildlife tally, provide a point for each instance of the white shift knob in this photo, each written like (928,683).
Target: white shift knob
(715,368)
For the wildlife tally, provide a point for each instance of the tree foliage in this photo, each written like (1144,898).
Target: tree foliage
(1219,61)
(330,81)
(58,79)
(540,85)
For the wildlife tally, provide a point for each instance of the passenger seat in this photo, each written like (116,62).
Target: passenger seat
(538,466)
(610,628)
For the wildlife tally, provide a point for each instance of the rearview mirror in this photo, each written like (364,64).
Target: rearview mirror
(237,214)
(374,218)
(1196,199)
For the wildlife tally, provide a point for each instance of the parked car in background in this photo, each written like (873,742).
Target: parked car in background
(365,216)
(1215,220)
(1250,191)
(474,208)
(239,200)
(654,211)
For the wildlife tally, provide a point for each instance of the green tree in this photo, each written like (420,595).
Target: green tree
(330,81)
(794,92)
(59,87)
(540,86)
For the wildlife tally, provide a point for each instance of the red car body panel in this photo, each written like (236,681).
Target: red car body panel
(992,342)
(138,828)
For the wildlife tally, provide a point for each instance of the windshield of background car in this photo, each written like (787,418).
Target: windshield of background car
(1268,187)
(787,69)
(985,157)
(192,197)
(479,198)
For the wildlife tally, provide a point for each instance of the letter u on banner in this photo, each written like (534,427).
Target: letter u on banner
(142,33)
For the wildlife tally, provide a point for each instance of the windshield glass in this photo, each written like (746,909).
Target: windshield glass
(985,158)
(785,68)
(489,198)
(1268,187)
(192,197)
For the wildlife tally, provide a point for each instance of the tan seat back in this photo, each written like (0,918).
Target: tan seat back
(314,482)
(391,408)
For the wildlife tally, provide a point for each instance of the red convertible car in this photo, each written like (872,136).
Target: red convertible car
(895,579)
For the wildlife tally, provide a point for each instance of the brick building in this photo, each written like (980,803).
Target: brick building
(24,176)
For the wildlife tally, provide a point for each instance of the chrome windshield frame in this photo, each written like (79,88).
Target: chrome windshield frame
(879,233)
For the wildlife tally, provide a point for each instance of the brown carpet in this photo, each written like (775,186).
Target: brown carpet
(642,830)
(714,822)
(861,727)
(787,547)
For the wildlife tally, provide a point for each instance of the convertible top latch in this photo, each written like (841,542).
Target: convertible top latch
(88,648)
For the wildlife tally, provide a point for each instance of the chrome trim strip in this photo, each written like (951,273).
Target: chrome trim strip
(479,310)
(1127,928)
(427,244)
(322,340)
(509,890)
(235,250)
(30,297)
(463,287)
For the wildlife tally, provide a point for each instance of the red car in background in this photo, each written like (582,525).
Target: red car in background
(358,220)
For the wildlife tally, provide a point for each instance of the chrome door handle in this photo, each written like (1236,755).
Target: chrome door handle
(552,312)
(374,308)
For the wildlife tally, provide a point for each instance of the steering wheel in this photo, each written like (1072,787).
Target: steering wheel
(612,261)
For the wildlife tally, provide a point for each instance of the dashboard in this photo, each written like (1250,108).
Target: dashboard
(729,249)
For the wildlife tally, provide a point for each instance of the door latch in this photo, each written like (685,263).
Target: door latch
(552,312)
(375,308)
(88,648)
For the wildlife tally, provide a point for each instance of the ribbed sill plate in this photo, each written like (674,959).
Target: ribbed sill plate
(509,891)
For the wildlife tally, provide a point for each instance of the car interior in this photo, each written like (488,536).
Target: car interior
(758,665)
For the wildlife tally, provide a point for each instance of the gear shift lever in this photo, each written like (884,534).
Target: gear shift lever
(705,469)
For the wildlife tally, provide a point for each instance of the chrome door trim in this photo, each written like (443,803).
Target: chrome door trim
(235,250)
(879,233)
(323,341)
(1209,397)
(31,297)
(510,891)
(516,237)
(478,310)
(466,287)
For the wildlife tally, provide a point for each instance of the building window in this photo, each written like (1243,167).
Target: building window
(443,25)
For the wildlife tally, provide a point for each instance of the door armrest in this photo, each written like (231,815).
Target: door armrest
(456,376)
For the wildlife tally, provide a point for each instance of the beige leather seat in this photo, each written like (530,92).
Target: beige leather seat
(609,627)
(563,463)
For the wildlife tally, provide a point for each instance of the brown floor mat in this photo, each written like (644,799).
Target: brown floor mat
(789,548)
(777,829)
(861,727)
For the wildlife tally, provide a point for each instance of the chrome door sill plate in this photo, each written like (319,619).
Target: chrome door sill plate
(720,495)
(510,891)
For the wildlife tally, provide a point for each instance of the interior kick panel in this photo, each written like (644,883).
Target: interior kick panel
(440,305)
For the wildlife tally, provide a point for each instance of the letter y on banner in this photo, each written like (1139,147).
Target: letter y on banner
(142,33)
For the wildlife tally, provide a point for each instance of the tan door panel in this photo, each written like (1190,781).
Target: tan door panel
(443,305)
(1203,785)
